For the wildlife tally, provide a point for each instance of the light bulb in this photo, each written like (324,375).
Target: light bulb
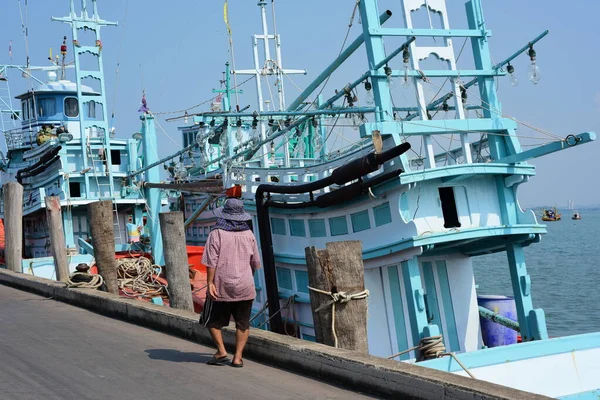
(199,139)
(300,147)
(369,99)
(223,139)
(534,73)
(534,70)
(390,79)
(511,71)
(405,80)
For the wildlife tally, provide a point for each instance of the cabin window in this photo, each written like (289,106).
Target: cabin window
(316,227)
(71,107)
(31,108)
(75,189)
(115,157)
(297,227)
(46,107)
(449,207)
(24,110)
(189,138)
(278,226)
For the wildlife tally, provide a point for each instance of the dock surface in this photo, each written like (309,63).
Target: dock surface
(51,350)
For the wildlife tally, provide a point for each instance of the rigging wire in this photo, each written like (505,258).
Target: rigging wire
(231,51)
(117,69)
(202,103)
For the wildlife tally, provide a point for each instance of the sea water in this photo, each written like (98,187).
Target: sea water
(565,274)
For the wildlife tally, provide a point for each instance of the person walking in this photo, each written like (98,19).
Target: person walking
(231,257)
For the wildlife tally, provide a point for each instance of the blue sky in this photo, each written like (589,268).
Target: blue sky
(176,50)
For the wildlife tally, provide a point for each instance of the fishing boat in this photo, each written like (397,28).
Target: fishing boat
(576,215)
(421,215)
(551,215)
(61,143)
(425,186)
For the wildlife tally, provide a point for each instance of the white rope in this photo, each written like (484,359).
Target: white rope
(433,347)
(89,281)
(136,277)
(339,297)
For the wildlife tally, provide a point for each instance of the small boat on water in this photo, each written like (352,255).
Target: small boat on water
(551,215)
(576,215)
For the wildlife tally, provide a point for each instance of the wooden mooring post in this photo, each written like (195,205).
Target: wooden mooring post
(13,225)
(100,215)
(176,261)
(339,303)
(58,245)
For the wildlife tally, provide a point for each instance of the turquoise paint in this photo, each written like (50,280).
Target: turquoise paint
(153,196)
(516,352)
(472,33)
(316,228)
(309,338)
(591,395)
(278,226)
(446,295)
(398,311)
(414,298)
(432,307)
(284,278)
(360,221)
(298,297)
(521,282)
(297,227)
(548,148)
(338,226)
(382,214)
(496,241)
(67,218)
(301,281)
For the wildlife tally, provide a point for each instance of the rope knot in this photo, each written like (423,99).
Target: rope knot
(338,297)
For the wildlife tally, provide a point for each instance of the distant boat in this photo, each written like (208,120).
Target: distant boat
(551,215)
(576,215)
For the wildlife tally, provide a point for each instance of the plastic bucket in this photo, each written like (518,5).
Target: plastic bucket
(494,334)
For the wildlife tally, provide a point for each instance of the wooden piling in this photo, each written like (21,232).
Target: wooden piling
(176,261)
(338,268)
(100,215)
(58,244)
(13,225)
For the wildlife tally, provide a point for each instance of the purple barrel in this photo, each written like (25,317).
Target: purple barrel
(494,334)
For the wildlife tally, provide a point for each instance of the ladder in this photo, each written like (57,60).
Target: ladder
(444,51)
(94,166)
(8,115)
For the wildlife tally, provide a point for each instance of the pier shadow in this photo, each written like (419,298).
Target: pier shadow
(177,356)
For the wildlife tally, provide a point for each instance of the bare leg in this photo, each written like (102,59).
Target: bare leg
(217,337)
(241,337)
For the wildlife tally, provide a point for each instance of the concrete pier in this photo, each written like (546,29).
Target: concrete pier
(357,372)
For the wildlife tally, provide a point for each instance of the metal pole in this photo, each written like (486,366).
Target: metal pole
(334,65)
(153,203)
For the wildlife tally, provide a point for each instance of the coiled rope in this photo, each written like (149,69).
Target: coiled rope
(84,280)
(339,297)
(136,277)
(433,347)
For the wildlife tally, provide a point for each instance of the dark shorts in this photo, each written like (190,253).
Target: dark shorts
(217,314)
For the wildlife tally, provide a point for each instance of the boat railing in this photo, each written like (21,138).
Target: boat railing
(17,139)
(250,178)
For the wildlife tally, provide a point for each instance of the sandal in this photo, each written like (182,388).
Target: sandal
(218,360)
(237,365)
